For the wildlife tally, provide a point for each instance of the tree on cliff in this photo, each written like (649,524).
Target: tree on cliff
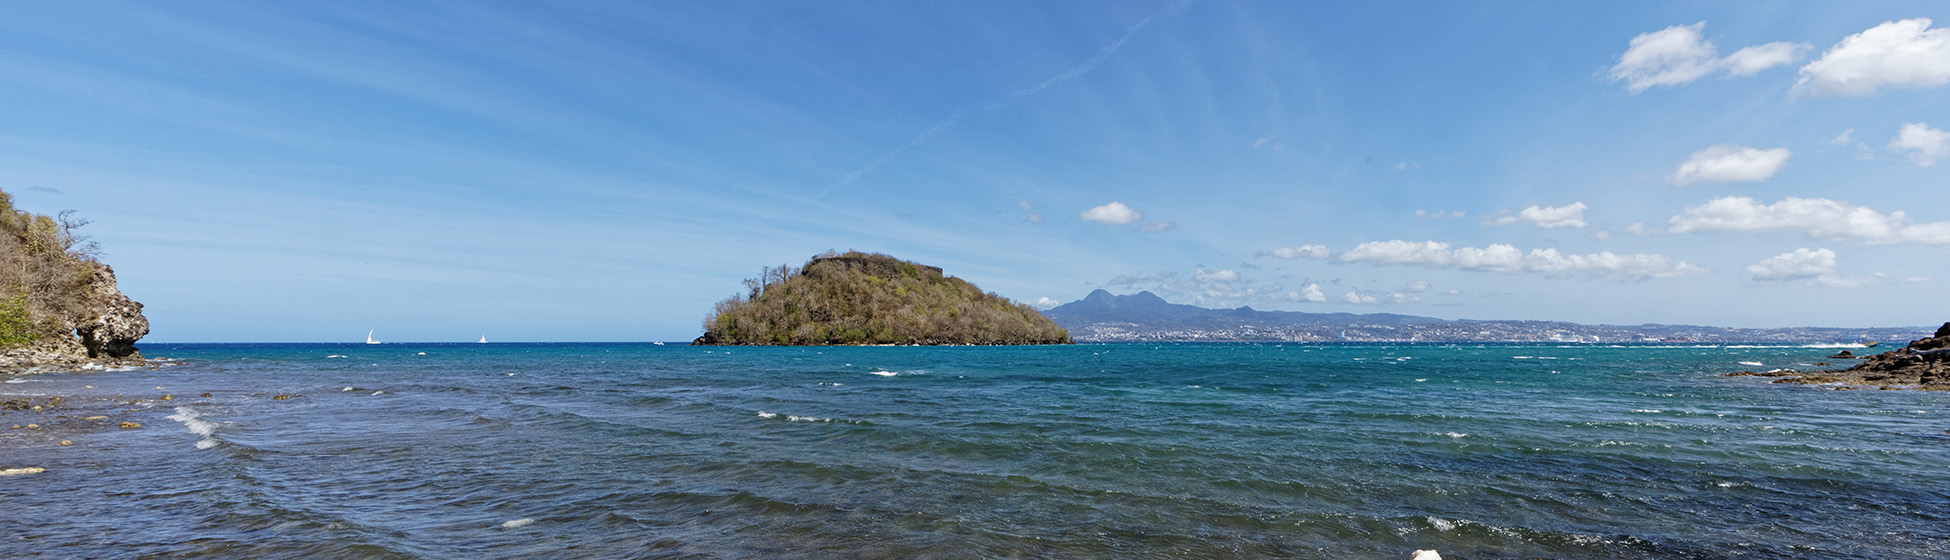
(54,295)
(870,298)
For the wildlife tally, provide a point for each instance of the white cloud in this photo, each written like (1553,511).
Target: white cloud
(1439,214)
(1677,55)
(1203,275)
(1896,54)
(1818,218)
(1310,293)
(1817,267)
(1158,227)
(1115,213)
(1359,298)
(1752,60)
(1044,303)
(1261,143)
(1301,252)
(1727,162)
(1417,287)
(1545,216)
(1510,260)
(1923,143)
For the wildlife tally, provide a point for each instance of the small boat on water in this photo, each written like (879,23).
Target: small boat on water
(369,339)
(483,339)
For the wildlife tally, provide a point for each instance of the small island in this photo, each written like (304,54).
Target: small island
(860,298)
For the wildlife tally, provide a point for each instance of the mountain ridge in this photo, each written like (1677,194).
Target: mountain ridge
(1104,317)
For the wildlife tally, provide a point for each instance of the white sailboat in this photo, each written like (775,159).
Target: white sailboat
(369,339)
(483,339)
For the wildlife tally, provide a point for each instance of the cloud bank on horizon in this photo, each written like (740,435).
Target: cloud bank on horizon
(269,171)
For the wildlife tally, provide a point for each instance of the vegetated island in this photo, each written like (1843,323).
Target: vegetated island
(1922,364)
(59,307)
(869,298)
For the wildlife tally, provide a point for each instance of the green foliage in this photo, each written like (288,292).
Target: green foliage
(16,326)
(863,298)
(48,268)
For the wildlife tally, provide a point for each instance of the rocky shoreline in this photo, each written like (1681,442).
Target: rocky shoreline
(1923,364)
(105,340)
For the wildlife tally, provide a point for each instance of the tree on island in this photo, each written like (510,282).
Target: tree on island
(871,298)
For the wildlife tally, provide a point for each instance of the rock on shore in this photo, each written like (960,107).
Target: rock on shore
(104,337)
(1922,364)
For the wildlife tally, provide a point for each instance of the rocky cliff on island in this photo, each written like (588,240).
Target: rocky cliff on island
(870,298)
(60,308)
(1924,364)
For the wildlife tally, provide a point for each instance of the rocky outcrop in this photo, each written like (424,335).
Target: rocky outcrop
(1922,364)
(117,322)
(104,335)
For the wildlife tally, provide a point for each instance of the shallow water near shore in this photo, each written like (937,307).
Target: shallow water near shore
(1088,451)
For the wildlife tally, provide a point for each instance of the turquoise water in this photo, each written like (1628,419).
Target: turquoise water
(1089,451)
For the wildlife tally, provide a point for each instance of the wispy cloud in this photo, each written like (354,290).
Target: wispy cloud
(1511,260)
(1818,218)
(1727,162)
(1300,252)
(1103,53)
(1678,55)
(1547,217)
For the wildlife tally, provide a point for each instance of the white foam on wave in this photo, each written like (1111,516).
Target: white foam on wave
(14,380)
(334,356)
(204,429)
(1755,364)
(791,418)
(1647,410)
(518,523)
(885,373)
(1457,435)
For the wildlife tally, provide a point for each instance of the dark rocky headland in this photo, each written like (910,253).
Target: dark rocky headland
(869,298)
(60,309)
(1922,364)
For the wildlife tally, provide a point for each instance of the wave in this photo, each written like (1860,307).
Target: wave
(197,425)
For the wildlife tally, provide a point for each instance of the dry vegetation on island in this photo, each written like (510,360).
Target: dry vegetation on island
(870,298)
(58,304)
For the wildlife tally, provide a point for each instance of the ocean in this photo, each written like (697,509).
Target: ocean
(1085,451)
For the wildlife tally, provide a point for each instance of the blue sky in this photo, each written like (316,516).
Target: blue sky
(606,171)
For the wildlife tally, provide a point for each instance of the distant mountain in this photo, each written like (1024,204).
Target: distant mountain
(1103,317)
